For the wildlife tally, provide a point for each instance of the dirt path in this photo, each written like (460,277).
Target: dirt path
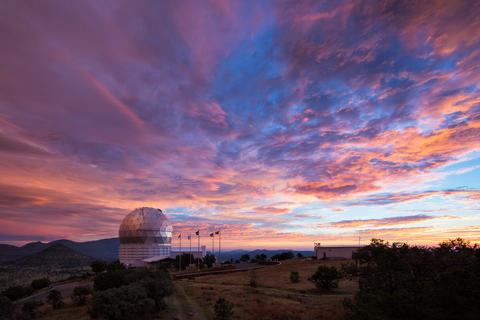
(187,308)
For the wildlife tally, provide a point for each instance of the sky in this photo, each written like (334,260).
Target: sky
(281,123)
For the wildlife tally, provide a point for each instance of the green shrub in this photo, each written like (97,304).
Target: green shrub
(16,292)
(98,266)
(28,309)
(350,269)
(110,279)
(125,303)
(283,256)
(80,294)
(294,277)
(326,278)
(209,260)
(55,299)
(41,283)
(6,307)
(223,309)
(115,265)
(245,258)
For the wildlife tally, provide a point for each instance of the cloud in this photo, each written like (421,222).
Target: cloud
(383,221)
(244,114)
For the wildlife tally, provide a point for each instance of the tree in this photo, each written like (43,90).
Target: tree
(253,279)
(283,256)
(6,307)
(125,303)
(326,278)
(260,258)
(80,294)
(299,255)
(115,265)
(55,299)
(28,309)
(245,258)
(110,279)
(294,277)
(401,282)
(16,292)
(98,266)
(185,258)
(209,260)
(41,283)
(350,269)
(223,309)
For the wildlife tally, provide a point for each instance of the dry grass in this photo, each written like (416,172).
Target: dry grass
(275,297)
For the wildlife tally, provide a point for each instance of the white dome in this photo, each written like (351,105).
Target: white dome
(145,225)
(144,233)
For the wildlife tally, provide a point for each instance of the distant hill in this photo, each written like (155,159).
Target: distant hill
(55,255)
(236,254)
(104,249)
(107,249)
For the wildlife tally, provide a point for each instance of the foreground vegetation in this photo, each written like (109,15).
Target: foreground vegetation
(403,282)
(384,282)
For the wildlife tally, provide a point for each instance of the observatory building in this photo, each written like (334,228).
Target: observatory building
(146,236)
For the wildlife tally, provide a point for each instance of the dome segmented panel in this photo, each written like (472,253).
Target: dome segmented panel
(145,226)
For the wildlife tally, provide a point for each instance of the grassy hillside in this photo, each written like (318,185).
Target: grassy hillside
(56,262)
(275,297)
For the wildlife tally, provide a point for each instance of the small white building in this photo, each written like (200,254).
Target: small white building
(334,252)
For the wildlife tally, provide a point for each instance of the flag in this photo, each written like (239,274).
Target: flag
(217,232)
(211,234)
(179,236)
(197,233)
(189,237)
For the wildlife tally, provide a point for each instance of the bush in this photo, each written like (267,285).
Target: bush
(110,279)
(98,266)
(350,269)
(80,295)
(294,277)
(299,255)
(41,283)
(209,260)
(260,258)
(245,258)
(253,277)
(326,278)
(185,259)
(125,303)
(17,292)
(55,299)
(6,307)
(115,265)
(283,256)
(29,307)
(223,309)
(142,292)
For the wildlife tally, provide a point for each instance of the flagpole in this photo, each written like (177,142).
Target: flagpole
(180,256)
(190,238)
(219,245)
(213,243)
(198,259)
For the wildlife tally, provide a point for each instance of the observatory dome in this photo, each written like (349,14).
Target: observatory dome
(144,233)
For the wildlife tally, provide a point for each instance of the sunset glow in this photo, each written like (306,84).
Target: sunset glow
(279,122)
